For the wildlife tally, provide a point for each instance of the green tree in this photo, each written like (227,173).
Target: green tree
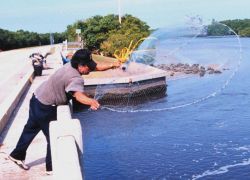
(237,24)
(59,37)
(107,34)
(95,30)
(245,32)
(217,29)
(240,26)
(71,31)
(131,29)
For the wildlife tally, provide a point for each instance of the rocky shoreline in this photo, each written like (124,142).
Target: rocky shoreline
(188,69)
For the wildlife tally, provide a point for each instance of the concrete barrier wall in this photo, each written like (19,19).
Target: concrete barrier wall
(11,101)
(66,145)
(13,61)
(66,132)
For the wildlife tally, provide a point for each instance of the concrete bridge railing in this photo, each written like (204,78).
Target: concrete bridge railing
(8,106)
(66,145)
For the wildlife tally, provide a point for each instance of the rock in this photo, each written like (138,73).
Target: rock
(196,71)
(202,68)
(195,65)
(209,68)
(217,71)
(188,69)
(202,73)
(211,71)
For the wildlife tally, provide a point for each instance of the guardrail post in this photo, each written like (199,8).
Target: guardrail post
(66,140)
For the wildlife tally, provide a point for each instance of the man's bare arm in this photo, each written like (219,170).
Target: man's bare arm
(84,99)
(103,67)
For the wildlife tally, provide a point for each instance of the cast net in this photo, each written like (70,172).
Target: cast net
(174,68)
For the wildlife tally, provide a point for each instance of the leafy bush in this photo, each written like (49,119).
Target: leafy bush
(107,34)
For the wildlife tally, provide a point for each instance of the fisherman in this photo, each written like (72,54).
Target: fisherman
(39,62)
(67,58)
(63,85)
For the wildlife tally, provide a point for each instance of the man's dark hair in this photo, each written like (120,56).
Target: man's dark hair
(81,57)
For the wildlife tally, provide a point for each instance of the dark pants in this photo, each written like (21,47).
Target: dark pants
(40,116)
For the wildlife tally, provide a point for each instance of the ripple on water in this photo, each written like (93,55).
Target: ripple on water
(221,170)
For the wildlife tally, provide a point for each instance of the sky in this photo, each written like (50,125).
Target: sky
(45,16)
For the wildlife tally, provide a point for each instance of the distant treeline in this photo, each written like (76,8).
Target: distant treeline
(20,39)
(103,33)
(241,27)
(107,35)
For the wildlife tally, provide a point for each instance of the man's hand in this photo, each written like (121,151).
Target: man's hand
(94,105)
(84,99)
(116,64)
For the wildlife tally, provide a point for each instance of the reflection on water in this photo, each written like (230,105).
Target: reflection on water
(208,140)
